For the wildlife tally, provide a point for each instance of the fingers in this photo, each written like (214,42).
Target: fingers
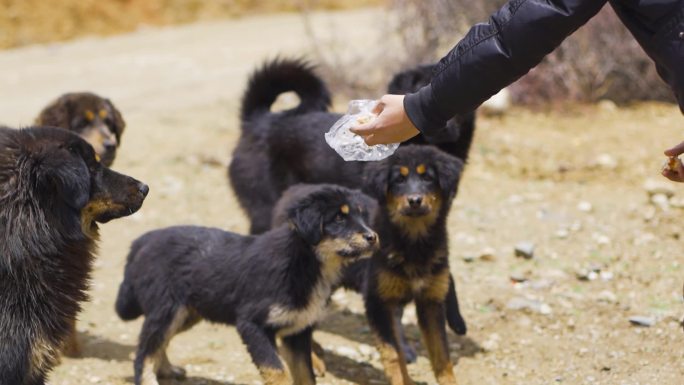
(364,129)
(676,150)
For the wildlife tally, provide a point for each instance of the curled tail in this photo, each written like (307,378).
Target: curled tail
(283,75)
(127,305)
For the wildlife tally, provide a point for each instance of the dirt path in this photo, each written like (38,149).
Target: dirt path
(571,182)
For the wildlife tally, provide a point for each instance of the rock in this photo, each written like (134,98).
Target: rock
(562,233)
(601,239)
(607,296)
(518,278)
(605,161)
(519,303)
(488,254)
(656,186)
(660,201)
(607,105)
(644,321)
(587,275)
(606,275)
(524,250)
(497,104)
(469,258)
(585,207)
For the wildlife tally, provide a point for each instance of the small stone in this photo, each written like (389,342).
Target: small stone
(587,275)
(488,254)
(601,239)
(644,321)
(468,258)
(585,207)
(519,303)
(605,161)
(660,201)
(524,250)
(607,296)
(562,233)
(656,186)
(518,278)
(606,275)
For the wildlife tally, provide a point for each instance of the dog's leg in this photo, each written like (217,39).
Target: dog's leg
(383,323)
(71,347)
(409,352)
(296,350)
(453,312)
(157,331)
(433,328)
(15,353)
(261,347)
(317,359)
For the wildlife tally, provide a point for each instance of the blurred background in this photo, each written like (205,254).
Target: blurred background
(600,62)
(568,168)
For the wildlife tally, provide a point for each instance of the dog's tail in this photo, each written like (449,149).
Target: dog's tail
(283,75)
(127,305)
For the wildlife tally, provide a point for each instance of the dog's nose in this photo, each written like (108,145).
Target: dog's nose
(144,189)
(370,237)
(109,145)
(415,200)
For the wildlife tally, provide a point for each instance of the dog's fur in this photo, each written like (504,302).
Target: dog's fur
(279,149)
(92,117)
(52,193)
(272,285)
(414,188)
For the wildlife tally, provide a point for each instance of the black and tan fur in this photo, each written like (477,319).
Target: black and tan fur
(275,285)
(52,193)
(92,117)
(280,149)
(414,188)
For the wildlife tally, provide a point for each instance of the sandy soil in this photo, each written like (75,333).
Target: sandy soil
(569,181)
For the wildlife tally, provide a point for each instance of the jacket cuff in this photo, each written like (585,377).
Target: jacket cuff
(420,109)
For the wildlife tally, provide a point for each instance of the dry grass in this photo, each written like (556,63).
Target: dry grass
(24,22)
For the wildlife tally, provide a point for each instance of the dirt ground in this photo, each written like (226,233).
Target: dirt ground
(571,182)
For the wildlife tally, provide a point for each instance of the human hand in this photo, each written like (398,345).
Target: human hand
(674,170)
(392,124)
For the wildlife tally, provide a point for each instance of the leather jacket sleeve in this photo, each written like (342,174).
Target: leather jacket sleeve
(493,55)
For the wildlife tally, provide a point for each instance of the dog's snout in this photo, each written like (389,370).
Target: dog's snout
(371,237)
(415,200)
(144,189)
(109,145)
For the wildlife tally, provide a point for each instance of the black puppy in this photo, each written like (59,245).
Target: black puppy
(414,188)
(277,150)
(52,193)
(92,117)
(272,285)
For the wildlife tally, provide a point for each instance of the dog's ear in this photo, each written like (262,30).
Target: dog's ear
(376,179)
(56,114)
(449,170)
(69,180)
(307,220)
(119,123)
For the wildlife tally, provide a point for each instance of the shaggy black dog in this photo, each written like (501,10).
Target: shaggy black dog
(92,117)
(52,193)
(414,188)
(277,150)
(272,285)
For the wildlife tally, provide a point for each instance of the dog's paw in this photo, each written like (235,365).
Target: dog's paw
(409,353)
(318,365)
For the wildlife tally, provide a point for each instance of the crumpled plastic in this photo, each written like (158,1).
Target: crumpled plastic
(351,146)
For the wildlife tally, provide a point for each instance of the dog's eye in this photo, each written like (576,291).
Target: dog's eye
(339,218)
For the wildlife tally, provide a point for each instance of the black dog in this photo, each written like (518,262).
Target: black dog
(277,150)
(414,188)
(92,117)
(52,193)
(272,285)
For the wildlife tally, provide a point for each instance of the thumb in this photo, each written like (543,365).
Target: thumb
(676,150)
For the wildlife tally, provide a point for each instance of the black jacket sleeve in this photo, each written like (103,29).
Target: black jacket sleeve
(493,55)
(658,26)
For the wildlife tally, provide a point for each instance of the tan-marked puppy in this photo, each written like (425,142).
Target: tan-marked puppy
(92,117)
